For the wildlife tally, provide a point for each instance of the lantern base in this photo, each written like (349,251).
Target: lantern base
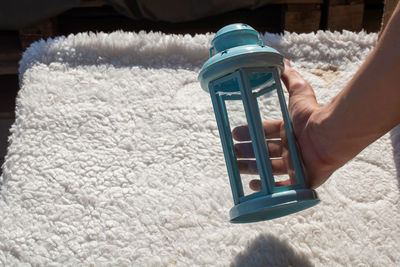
(272,206)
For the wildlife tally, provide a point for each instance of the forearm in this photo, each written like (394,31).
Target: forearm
(369,106)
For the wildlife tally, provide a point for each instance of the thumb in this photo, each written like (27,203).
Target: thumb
(297,86)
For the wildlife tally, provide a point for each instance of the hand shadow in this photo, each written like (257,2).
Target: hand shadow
(267,250)
(395,137)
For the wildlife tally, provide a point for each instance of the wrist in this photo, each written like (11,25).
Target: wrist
(327,140)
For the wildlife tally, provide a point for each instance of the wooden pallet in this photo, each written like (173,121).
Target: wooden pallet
(345,15)
(10,52)
(390,5)
(94,15)
(302,18)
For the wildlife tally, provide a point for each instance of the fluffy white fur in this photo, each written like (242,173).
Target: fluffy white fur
(115,159)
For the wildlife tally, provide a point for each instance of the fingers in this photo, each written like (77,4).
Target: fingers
(256,184)
(271,130)
(245,150)
(297,86)
(250,166)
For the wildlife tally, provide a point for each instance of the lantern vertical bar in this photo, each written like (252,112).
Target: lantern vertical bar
(294,153)
(222,119)
(256,133)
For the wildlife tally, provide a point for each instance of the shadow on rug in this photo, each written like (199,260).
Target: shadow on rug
(268,250)
(395,137)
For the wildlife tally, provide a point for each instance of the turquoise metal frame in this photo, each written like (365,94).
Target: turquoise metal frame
(243,91)
(232,75)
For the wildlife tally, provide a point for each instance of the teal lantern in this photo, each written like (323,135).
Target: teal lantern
(241,68)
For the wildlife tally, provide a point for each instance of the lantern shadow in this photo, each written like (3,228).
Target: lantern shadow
(395,137)
(267,250)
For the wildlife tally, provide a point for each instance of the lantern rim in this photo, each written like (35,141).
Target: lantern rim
(233,28)
(247,56)
(273,206)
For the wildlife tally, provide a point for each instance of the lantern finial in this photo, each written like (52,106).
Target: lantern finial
(234,35)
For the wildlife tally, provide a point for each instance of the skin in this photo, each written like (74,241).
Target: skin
(331,135)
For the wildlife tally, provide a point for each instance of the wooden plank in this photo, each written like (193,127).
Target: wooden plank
(92,3)
(267,18)
(390,5)
(345,2)
(10,48)
(345,17)
(8,67)
(374,2)
(302,18)
(92,12)
(284,2)
(372,17)
(10,52)
(41,30)
(8,91)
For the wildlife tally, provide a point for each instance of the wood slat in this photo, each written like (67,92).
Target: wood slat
(302,18)
(10,52)
(344,2)
(390,5)
(267,18)
(92,3)
(41,30)
(8,91)
(288,2)
(345,17)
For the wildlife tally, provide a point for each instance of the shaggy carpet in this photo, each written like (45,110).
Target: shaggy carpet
(115,159)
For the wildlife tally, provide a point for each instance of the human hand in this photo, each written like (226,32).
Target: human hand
(313,143)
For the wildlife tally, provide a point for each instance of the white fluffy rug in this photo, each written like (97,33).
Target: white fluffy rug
(115,159)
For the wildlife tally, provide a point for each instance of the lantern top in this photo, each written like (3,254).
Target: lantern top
(237,46)
(234,35)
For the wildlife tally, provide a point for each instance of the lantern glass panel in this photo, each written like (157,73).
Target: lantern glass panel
(228,94)
(268,100)
(237,117)
(264,90)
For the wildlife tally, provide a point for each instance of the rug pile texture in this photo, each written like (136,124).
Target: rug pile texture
(115,159)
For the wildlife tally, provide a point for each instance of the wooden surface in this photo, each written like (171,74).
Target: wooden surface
(302,18)
(289,2)
(106,19)
(347,16)
(8,91)
(41,30)
(390,5)
(10,52)
(95,15)
(373,9)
